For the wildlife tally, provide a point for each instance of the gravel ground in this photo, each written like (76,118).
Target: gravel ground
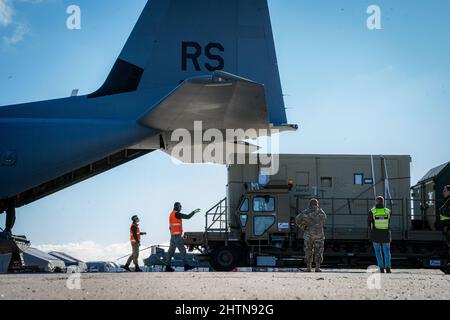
(331,284)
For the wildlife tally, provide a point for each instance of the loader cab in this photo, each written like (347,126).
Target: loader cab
(264,214)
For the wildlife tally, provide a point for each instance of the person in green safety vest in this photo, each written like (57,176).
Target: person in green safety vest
(444,212)
(380,234)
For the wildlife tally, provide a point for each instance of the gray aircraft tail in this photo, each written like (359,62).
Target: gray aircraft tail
(175,40)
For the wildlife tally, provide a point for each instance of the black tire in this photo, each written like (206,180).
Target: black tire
(446,269)
(224,258)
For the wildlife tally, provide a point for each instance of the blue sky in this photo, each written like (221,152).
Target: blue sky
(351,90)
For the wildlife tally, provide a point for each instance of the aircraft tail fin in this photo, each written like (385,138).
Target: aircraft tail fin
(175,40)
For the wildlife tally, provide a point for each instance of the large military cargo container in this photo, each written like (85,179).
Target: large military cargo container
(428,198)
(346,184)
(255,224)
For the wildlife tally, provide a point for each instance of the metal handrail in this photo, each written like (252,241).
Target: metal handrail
(348,204)
(219,217)
(406,212)
(403,212)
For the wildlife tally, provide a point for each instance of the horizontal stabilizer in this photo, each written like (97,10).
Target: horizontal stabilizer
(216,153)
(221,101)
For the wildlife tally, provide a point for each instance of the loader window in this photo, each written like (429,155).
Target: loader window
(326,182)
(358,179)
(264,204)
(261,224)
(244,219)
(244,206)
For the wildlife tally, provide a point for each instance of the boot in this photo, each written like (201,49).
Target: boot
(126,268)
(188,267)
(388,271)
(381,270)
(170,269)
(318,267)
(308,267)
(137,269)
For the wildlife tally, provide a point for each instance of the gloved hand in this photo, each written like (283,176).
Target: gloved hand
(143,233)
(196,211)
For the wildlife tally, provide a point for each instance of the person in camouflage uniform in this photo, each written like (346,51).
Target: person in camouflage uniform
(311,221)
(444,211)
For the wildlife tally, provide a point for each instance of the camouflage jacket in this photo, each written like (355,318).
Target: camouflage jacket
(311,222)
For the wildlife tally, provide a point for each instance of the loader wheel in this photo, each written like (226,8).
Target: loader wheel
(446,269)
(224,259)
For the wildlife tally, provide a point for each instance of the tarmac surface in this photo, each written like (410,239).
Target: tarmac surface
(331,284)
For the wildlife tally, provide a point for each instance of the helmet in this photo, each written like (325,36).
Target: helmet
(177,206)
(135,219)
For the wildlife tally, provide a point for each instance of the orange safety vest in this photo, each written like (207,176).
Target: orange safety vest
(176,225)
(138,231)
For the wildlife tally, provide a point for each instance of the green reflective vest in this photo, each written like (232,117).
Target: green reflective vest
(382,217)
(444,209)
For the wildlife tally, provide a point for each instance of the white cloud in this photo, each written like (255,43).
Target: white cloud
(19,33)
(6,13)
(19,29)
(92,251)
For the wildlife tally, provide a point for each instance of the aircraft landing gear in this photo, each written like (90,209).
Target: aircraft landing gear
(10,244)
(10,216)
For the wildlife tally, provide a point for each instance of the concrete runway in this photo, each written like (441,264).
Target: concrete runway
(332,284)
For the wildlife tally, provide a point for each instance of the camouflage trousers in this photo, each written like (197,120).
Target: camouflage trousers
(134,256)
(314,249)
(176,242)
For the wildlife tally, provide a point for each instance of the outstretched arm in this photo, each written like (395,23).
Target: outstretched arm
(180,215)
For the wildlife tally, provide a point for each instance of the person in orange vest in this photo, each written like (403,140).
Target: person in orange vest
(176,240)
(135,239)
